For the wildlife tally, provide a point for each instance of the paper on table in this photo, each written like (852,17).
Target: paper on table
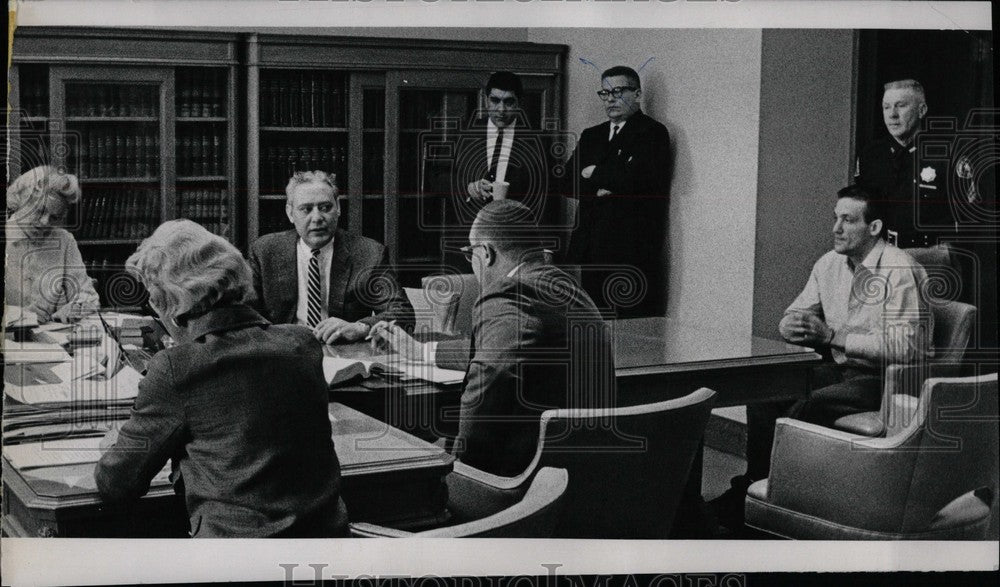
(123,386)
(16,316)
(54,453)
(33,352)
(431,373)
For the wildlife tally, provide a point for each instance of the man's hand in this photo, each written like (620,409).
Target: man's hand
(480,191)
(394,339)
(806,328)
(603,192)
(587,171)
(334,330)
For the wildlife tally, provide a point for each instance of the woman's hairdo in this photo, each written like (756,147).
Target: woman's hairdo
(34,185)
(189,270)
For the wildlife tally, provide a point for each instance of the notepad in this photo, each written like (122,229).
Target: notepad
(123,386)
(431,373)
(54,453)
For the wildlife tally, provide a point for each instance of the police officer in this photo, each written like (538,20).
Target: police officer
(918,210)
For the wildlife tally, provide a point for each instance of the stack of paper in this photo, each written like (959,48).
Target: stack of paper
(54,453)
(18,317)
(33,352)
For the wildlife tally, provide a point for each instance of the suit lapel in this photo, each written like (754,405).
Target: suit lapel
(340,274)
(288,288)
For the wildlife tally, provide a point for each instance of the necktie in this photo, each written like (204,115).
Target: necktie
(495,160)
(614,132)
(315,291)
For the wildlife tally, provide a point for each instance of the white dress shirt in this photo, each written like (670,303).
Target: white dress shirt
(505,147)
(303,253)
(611,129)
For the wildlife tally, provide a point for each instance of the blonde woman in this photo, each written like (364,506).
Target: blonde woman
(239,405)
(45,272)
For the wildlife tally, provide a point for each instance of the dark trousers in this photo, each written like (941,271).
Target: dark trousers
(841,391)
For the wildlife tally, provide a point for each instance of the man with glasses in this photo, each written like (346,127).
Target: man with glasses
(336,283)
(620,172)
(538,343)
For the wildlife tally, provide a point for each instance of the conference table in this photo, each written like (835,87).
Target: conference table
(392,475)
(388,477)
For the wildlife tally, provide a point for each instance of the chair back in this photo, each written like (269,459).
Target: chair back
(451,297)
(953,323)
(627,466)
(533,517)
(956,446)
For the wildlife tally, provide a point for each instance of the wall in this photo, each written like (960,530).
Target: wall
(704,86)
(805,157)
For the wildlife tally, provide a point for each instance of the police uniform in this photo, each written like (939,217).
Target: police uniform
(918,212)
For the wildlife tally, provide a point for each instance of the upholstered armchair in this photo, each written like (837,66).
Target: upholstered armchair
(936,479)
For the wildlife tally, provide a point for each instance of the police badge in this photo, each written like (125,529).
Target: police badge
(928,174)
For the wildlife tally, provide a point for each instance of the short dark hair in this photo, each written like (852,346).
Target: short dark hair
(623,70)
(505,81)
(509,226)
(872,197)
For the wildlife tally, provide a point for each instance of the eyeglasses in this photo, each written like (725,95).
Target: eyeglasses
(616,91)
(467,251)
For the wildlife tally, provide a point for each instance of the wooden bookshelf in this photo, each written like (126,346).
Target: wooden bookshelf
(232,115)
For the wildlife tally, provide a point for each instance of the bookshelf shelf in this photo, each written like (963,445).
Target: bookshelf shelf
(108,241)
(34,119)
(202,119)
(112,119)
(202,178)
(304,129)
(111,181)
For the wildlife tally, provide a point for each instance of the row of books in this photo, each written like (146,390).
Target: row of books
(200,93)
(199,151)
(278,164)
(203,204)
(302,99)
(118,152)
(112,100)
(119,214)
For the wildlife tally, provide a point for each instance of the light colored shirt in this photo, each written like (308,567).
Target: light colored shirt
(878,305)
(505,146)
(47,273)
(611,129)
(302,254)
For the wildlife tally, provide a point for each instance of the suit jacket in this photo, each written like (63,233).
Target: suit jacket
(620,229)
(241,410)
(538,343)
(361,281)
(528,171)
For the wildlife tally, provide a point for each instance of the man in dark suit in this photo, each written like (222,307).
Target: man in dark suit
(499,156)
(335,282)
(620,173)
(538,343)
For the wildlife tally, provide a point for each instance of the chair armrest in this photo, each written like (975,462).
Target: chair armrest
(909,379)
(836,476)
(475,494)
(366,530)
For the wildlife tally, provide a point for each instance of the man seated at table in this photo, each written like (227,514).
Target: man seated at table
(239,405)
(538,342)
(330,280)
(863,308)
